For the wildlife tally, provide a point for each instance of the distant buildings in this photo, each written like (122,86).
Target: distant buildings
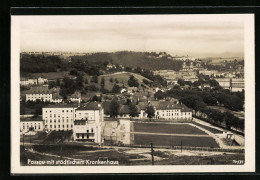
(33,81)
(43,93)
(233,84)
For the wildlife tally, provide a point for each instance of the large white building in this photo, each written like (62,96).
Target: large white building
(85,121)
(168,110)
(33,124)
(88,123)
(59,117)
(43,93)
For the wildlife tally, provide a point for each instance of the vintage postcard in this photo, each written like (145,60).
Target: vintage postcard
(132,93)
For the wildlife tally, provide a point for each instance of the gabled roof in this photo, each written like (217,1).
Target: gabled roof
(90,106)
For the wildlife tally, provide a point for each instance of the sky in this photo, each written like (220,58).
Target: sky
(194,35)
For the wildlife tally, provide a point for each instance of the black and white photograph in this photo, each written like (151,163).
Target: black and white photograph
(133,93)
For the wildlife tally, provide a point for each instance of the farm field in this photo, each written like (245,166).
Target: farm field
(162,140)
(167,128)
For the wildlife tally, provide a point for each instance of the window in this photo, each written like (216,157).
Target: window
(63,126)
(62,110)
(51,126)
(67,126)
(67,111)
(77,135)
(54,126)
(58,120)
(92,130)
(55,120)
(54,115)
(71,126)
(71,110)
(58,126)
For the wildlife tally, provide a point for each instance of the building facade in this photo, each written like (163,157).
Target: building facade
(33,124)
(88,123)
(59,117)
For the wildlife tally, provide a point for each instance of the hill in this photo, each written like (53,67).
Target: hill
(122,78)
(144,60)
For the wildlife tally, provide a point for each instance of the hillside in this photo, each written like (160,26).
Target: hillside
(144,60)
(122,78)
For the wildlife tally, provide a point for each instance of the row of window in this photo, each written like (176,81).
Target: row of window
(171,110)
(27,125)
(47,95)
(46,121)
(59,126)
(59,111)
(176,114)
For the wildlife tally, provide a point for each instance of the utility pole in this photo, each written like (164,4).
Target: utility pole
(23,141)
(152,153)
(181,145)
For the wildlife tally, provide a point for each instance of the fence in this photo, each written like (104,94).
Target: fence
(208,149)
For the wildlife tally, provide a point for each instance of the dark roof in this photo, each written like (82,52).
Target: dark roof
(61,106)
(41,90)
(165,105)
(90,106)
(31,119)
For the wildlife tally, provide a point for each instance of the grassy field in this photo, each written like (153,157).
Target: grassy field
(166,128)
(121,77)
(162,140)
(213,130)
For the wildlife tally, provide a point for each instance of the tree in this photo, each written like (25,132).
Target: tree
(181,82)
(111,80)
(57,82)
(228,118)
(52,84)
(86,81)
(79,81)
(150,112)
(94,79)
(132,82)
(95,98)
(116,80)
(116,89)
(159,95)
(102,83)
(73,72)
(133,110)
(114,108)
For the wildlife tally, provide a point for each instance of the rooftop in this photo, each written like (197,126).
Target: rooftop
(90,106)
